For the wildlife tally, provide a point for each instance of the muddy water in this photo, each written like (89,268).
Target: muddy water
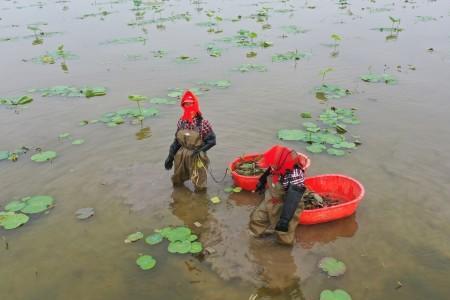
(399,234)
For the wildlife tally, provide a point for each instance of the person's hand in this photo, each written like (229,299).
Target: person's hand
(282,225)
(196,152)
(168,164)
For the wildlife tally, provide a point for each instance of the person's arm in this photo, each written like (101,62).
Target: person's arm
(209,140)
(174,147)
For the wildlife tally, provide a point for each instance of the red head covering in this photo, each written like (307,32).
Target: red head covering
(189,111)
(280,159)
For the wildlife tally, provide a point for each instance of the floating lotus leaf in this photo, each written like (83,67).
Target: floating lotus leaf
(137,98)
(146,262)
(154,239)
(180,247)
(84,213)
(344,144)
(292,134)
(94,92)
(196,247)
(332,266)
(165,231)
(179,234)
(335,295)
(352,120)
(217,83)
(4,155)
(386,78)
(15,206)
(306,115)
(244,68)
(192,238)
(336,152)
(37,204)
(293,29)
(237,189)
(162,101)
(78,142)
(329,91)
(64,135)
(186,59)
(43,156)
(214,51)
(316,148)
(121,41)
(228,189)
(215,200)
(16,101)
(12,220)
(291,55)
(134,237)
(70,91)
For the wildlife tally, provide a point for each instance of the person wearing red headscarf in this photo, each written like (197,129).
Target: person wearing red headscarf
(281,206)
(193,137)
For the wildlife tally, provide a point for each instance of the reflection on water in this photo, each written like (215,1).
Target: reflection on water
(309,235)
(143,133)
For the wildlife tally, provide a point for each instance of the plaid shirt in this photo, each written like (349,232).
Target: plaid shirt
(205,127)
(295,176)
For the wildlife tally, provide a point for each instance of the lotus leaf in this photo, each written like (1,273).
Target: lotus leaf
(293,29)
(37,204)
(162,101)
(94,92)
(154,239)
(386,78)
(43,156)
(332,266)
(228,189)
(165,231)
(341,128)
(266,44)
(186,59)
(237,189)
(178,234)
(329,91)
(12,220)
(217,83)
(146,262)
(15,206)
(137,98)
(47,59)
(335,295)
(251,54)
(332,139)
(292,135)
(181,247)
(352,120)
(70,91)
(4,155)
(64,135)
(192,238)
(306,115)
(84,213)
(336,152)
(291,55)
(316,148)
(215,200)
(346,145)
(16,101)
(250,67)
(196,247)
(134,237)
(214,51)
(78,142)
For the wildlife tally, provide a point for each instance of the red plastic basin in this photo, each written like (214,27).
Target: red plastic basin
(347,190)
(249,183)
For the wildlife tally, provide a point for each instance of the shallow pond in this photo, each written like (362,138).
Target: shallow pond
(395,247)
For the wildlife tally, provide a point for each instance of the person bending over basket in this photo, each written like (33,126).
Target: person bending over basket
(281,206)
(193,137)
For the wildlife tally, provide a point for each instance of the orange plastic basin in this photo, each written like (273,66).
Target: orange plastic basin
(249,183)
(347,190)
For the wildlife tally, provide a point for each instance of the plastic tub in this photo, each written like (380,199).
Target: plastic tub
(347,190)
(249,183)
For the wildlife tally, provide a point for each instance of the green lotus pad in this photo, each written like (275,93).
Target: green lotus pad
(154,239)
(196,247)
(316,148)
(137,98)
(386,78)
(134,237)
(70,91)
(146,262)
(181,247)
(223,84)
(78,142)
(178,234)
(291,55)
(16,101)
(15,206)
(37,204)
(43,156)
(12,220)
(335,295)
(332,266)
(329,91)
(4,155)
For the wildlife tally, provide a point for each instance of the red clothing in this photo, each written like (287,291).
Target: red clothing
(190,112)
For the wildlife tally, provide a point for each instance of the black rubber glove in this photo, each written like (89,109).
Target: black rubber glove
(196,152)
(261,186)
(168,163)
(291,200)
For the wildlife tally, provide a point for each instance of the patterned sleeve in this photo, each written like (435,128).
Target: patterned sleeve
(206,128)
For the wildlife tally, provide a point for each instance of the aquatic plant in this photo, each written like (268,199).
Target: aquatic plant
(335,295)
(138,99)
(332,266)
